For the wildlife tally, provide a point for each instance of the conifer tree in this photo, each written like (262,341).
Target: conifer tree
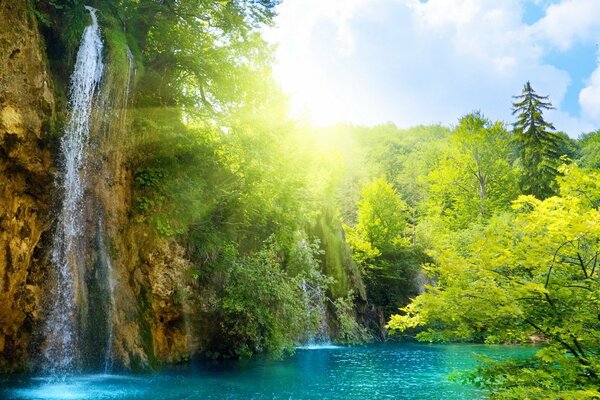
(539,146)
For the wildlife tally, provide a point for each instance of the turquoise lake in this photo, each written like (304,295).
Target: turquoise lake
(385,371)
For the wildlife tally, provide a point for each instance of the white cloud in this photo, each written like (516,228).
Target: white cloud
(413,62)
(570,21)
(572,125)
(589,97)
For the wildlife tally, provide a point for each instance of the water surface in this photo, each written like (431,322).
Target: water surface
(387,371)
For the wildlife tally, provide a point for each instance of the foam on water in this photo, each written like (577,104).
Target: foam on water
(83,387)
(324,346)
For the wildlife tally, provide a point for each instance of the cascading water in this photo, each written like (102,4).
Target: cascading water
(68,257)
(314,301)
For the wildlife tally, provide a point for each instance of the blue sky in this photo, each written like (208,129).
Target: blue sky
(420,62)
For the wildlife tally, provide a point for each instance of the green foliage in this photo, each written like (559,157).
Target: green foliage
(262,308)
(116,45)
(200,55)
(381,244)
(528,274)
(590,149)
(381,224)
(474,178)
(534,378)
(148,178)
(171,181)
(62,23)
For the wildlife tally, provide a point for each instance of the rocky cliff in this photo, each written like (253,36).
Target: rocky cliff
(141,305)
(26,180)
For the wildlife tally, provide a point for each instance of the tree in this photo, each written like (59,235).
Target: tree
(381,242)
(532,273)
(382,220)
(201,57)
(474,178)
(539,147)
(590,149)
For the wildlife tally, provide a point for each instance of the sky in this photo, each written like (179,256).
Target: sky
(413,62)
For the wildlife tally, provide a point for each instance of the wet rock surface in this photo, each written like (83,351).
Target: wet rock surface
(26,179)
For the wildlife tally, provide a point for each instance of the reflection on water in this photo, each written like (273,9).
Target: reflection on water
(389,371)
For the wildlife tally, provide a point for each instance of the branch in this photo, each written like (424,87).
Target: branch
(553,261)
(582,265)
(595,258)
(570,348)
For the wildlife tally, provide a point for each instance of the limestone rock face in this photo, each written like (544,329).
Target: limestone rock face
(151,317)
(26,179)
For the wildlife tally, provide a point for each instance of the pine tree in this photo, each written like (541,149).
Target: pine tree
(539,146)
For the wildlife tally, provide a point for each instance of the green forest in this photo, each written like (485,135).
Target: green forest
(480,231)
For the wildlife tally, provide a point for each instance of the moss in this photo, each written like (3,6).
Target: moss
(145,324)
(115,45)
(336,260)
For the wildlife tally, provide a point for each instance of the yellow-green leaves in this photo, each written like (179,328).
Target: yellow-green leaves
(532,273)
(474,178)
(382,220)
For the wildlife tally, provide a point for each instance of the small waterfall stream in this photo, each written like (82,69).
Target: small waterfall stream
(109,281)
(68,250)
(130,77)
(314,301)
(113,111)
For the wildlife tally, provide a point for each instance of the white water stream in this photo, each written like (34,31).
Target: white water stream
(68,258)
(314,301)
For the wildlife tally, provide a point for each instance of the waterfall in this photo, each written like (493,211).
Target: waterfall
(314,301)
(68,249)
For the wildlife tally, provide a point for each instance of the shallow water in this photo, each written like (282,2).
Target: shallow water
(388,371)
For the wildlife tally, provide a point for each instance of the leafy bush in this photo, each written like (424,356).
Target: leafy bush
(262,308)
